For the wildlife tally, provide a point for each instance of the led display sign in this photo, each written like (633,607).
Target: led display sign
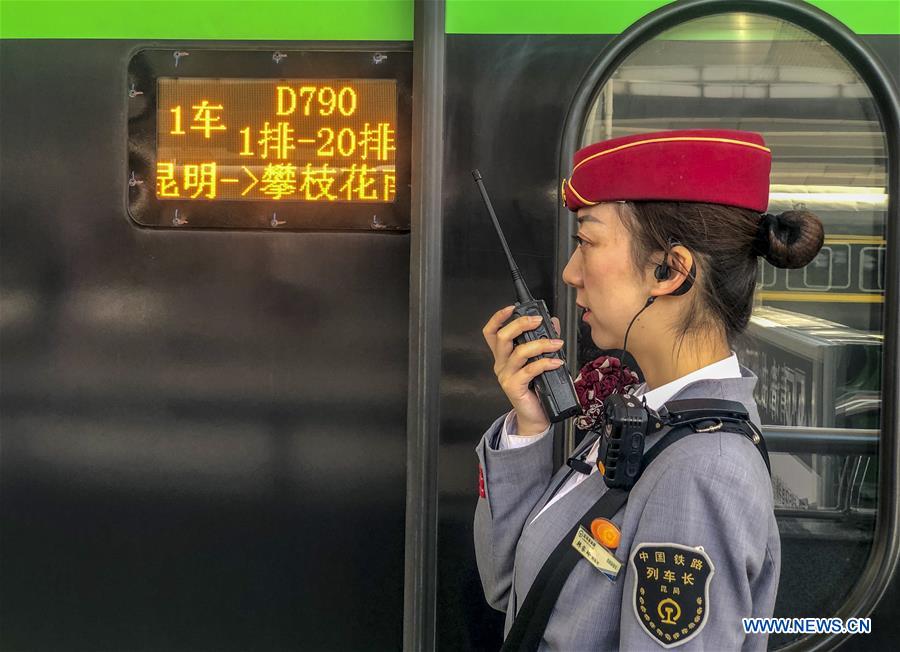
(227,139)
(317,140)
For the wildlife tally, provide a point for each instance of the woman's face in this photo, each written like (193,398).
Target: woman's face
(602,273)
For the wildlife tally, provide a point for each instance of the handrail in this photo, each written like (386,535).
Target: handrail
(823,441)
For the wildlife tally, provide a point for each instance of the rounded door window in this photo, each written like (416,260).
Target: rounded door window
(815,337)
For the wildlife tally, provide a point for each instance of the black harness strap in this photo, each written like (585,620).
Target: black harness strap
(680,432)
(532,618)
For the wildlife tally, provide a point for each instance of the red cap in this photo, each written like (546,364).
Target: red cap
(715,166)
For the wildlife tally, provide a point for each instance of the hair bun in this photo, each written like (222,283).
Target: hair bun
(790,240)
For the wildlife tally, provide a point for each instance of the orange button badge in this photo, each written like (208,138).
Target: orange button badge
(606,533)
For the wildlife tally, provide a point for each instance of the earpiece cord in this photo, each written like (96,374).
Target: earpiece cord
(646,305)
(651,300)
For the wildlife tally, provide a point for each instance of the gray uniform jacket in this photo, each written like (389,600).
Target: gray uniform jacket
(708,489)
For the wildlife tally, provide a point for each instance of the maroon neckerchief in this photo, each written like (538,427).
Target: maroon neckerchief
(598,379)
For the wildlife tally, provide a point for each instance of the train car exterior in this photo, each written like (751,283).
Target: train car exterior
(247,420)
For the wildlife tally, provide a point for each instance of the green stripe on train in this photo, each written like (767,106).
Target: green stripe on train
(615,16)
(390,20)
(345,20)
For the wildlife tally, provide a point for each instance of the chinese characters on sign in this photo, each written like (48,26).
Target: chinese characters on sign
(308,140)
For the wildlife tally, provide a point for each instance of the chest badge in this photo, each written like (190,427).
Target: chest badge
(671,590)
(601,558)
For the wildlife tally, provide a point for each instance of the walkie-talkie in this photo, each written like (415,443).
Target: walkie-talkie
(554,388)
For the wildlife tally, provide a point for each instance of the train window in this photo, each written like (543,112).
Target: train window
(815,338)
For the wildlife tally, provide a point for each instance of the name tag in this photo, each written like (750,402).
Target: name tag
(600,558)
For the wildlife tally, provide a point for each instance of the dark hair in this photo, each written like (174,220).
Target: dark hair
(725,242)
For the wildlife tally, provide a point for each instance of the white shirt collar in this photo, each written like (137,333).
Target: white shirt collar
(725,368)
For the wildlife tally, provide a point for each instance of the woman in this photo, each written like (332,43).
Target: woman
(697,539)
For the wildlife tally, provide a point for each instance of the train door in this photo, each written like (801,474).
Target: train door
(823,341)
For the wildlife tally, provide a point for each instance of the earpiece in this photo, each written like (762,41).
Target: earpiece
(661,273)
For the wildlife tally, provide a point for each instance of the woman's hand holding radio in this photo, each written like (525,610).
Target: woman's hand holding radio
(514,372)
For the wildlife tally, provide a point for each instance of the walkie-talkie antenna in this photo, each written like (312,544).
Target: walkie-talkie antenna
(522,291)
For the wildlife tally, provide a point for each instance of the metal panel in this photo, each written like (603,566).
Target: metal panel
(505,104)
(203,432)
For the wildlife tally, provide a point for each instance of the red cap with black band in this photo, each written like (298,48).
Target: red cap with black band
(715,166)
